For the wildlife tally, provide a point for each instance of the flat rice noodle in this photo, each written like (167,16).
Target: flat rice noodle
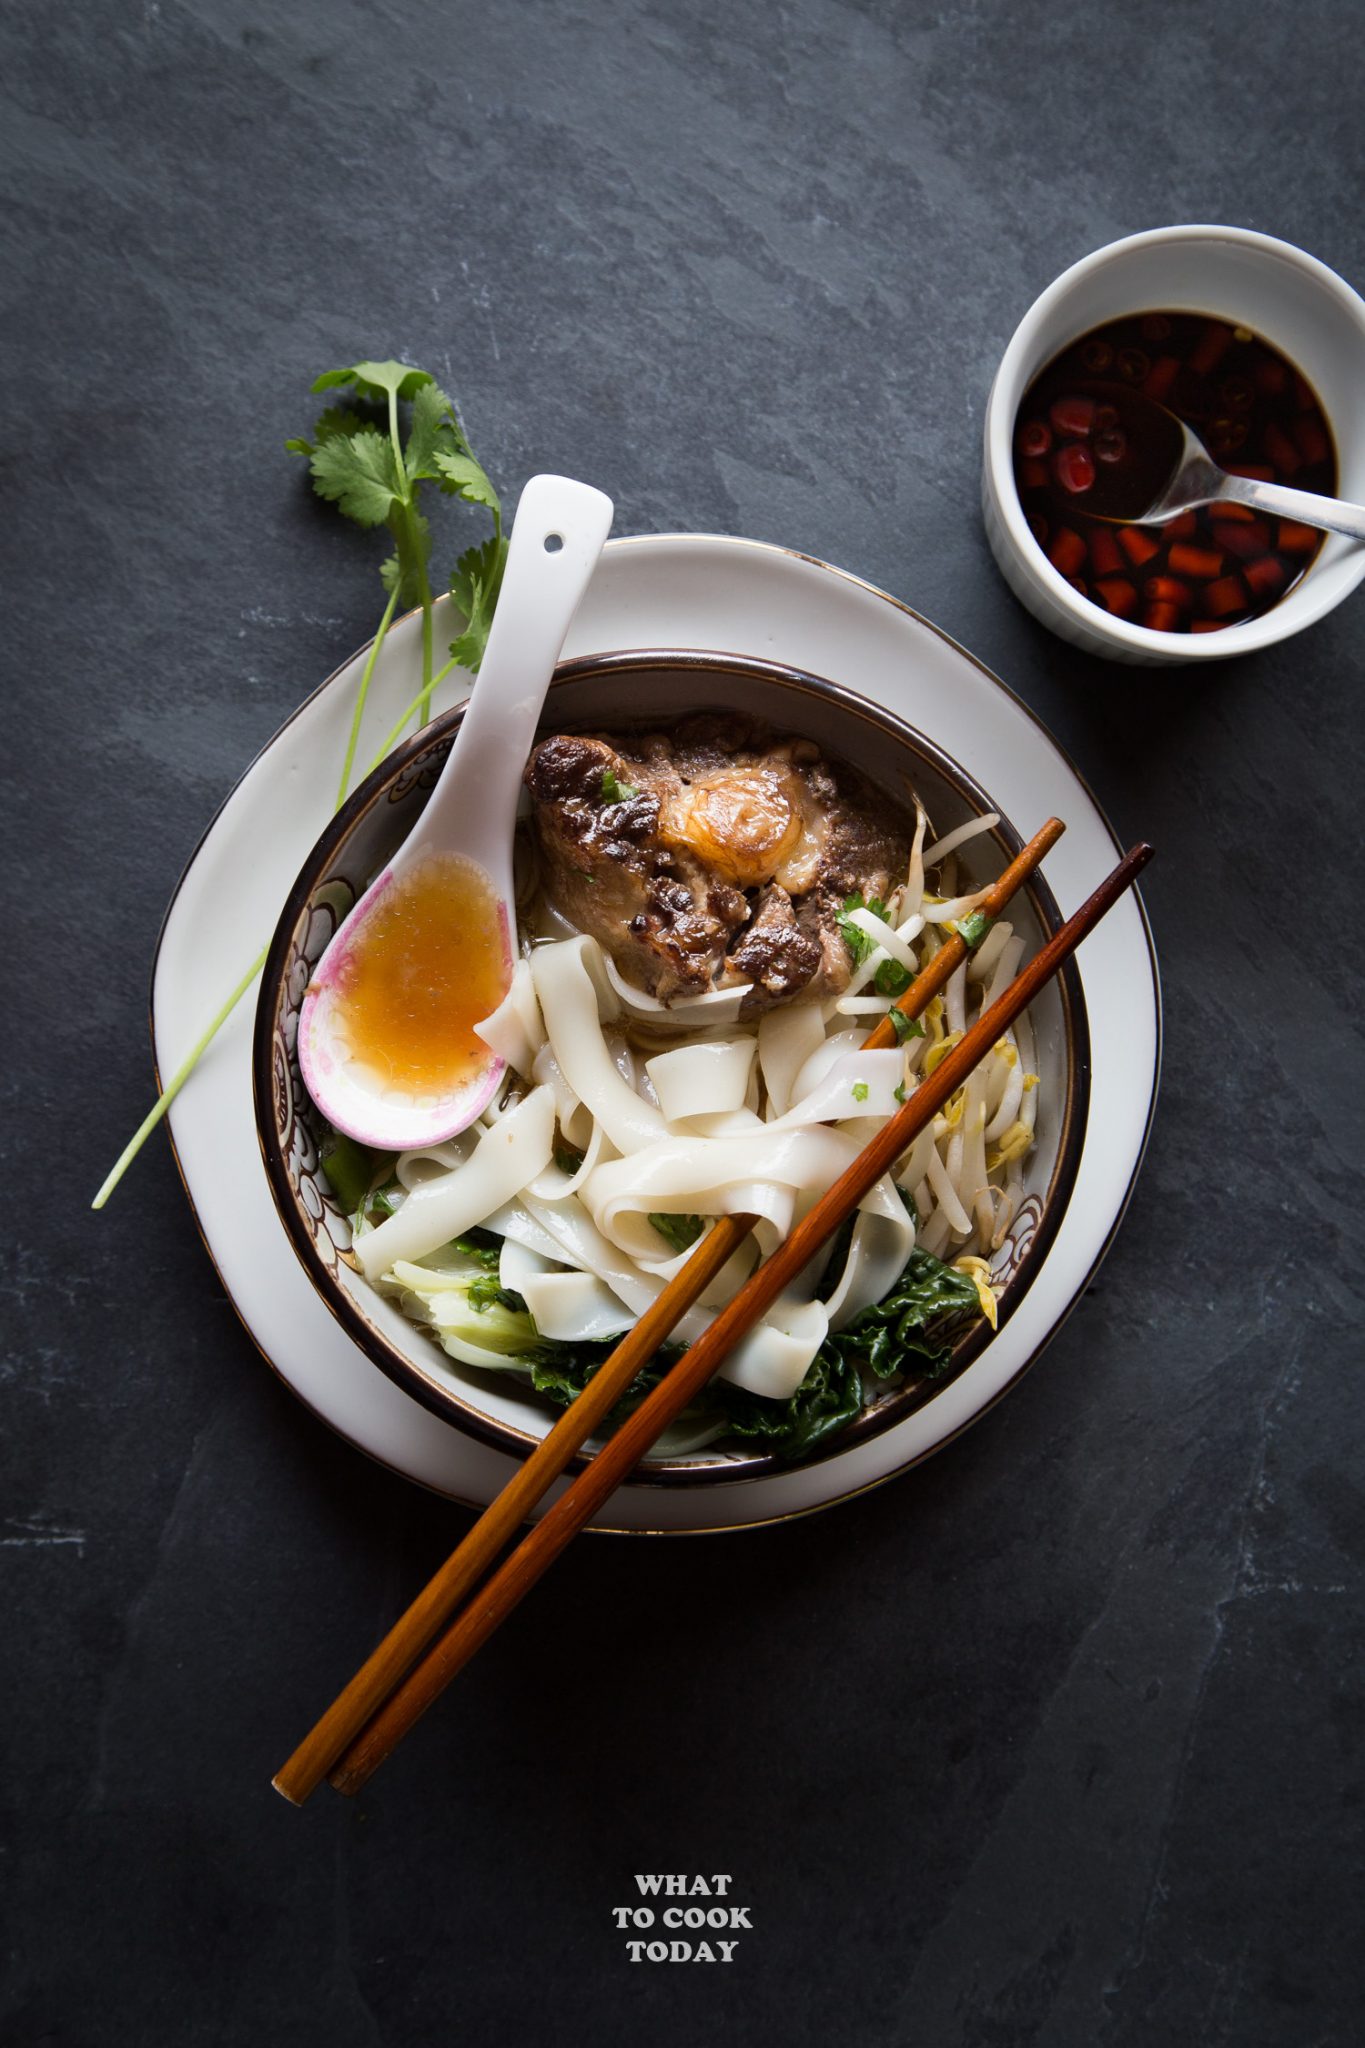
(877,1255)
(516,1029)
(834,1097)
(726,1282)
(547,1073)
(412,1168)
(760,1175)
(508,1155)
(571,1308)
(827,1051)
(568,1002)
(569,1223)
(517,1262)
(786,1040)
(727,1123)
(774,1357)
(702,1080)
(555,1183)
(512,1221)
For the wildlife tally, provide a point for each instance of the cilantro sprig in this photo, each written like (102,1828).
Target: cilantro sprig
(375,477)
(361,462)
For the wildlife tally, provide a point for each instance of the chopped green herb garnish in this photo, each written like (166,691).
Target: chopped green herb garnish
(614,791)
(681,1232)
(859,942)
(860,1091)
(973,928)
(905,1027)
(899,1091)
(891,979)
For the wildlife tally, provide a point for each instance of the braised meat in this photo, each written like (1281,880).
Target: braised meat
(712,854)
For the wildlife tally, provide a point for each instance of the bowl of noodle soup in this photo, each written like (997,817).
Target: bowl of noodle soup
(661,1115)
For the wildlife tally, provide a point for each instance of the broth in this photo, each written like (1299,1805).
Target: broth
(428,964)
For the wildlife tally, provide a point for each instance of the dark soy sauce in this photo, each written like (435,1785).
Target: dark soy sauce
(1079,450)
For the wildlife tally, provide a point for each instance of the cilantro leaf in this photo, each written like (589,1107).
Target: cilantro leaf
(905,1027)
(614,791)
(859,942)
(461,476)
(860,1091)
(434,430)
(891,979)
(376,380)
(356,471)
(855,938)
(336,420)
(474,585)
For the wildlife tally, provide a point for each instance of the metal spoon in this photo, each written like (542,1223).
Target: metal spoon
(468,820)
(1186,475)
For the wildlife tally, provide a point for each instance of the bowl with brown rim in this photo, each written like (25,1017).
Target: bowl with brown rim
(635,690)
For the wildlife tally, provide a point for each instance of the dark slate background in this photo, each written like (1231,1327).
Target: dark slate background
(1056,1740)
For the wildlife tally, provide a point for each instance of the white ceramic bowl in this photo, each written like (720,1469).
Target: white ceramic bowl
(608,692)
(1300,306)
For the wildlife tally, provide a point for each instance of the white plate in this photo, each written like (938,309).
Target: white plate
(669,590)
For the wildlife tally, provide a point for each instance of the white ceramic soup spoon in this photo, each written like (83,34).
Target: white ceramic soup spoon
(386,1045)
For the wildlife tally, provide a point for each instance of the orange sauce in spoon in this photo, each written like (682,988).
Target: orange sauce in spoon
(426,967)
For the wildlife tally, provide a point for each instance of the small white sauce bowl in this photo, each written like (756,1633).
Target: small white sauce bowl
(1296,303)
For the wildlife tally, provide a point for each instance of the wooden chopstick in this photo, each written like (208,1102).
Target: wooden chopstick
(495,1600)
(343,1721)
